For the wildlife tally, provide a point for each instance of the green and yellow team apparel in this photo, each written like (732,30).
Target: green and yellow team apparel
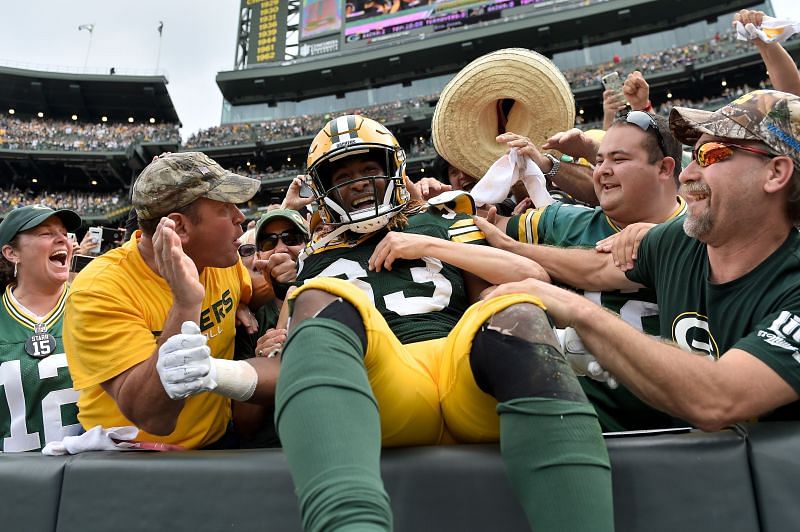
(418,325)
(758,312)
(420,299)
(564,225)
(38,402)
(336,405)
(116,310)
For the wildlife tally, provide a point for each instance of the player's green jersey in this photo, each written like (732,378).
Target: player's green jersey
(37,404)
(564,225)
(758,312)
(420,299)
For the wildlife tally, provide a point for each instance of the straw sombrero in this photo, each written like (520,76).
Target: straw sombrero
(471,107)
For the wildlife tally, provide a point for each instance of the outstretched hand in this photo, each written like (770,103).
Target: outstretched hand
(293,200)
(573,142)
(494,236)
(624,246)
(396,245)
(426,188)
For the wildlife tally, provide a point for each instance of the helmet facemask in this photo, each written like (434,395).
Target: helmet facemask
(388,193)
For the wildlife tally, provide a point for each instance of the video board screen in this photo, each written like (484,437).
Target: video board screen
(320,17)
(371,21)
(336,26)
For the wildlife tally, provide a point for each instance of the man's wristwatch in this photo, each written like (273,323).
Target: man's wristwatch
(556,165)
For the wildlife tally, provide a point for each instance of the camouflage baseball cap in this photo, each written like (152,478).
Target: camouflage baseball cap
(289,215)
(771,117)
(174,180)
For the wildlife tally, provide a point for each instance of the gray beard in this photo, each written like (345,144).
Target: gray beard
(698,226)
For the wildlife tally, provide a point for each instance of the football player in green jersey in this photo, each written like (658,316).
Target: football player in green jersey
(385,348)
(37,405)
(635,179)
(727,276)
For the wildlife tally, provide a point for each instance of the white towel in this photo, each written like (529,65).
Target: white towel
(771,30)
(95,439)
(495,185)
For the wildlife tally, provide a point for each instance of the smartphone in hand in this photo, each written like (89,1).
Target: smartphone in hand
(613,82)
(79,262)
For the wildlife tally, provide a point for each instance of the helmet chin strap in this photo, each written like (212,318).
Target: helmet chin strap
(312,247)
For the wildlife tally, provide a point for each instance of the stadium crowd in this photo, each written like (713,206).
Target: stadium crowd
(683,311)
(718,47)
(49,134)
(85,203)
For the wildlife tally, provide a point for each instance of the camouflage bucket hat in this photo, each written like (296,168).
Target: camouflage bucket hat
(174,180)
(292,216)
(771,117)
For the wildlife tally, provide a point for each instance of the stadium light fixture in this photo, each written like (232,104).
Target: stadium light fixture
(288,158)
(74,117)
(580,111)
(669,94)
(11,111)
(94,182)
(422,170)
(130,120)
(724,83)
(40,114)
(104,118)
(34,180)
(152,120)
(248,163)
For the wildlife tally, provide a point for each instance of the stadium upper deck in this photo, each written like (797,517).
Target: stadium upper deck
(545,28)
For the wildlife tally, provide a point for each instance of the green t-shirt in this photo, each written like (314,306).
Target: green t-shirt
(37,404)
(420,299)
(758,312)
(266,317)
(564,225)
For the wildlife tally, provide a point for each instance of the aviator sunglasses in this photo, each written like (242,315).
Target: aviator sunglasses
(710,153)
(290,238)
(646,122)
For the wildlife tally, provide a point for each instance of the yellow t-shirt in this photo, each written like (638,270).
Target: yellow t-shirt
(115,311)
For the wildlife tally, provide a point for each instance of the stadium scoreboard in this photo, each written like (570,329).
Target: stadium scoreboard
(329,26)
(267,30)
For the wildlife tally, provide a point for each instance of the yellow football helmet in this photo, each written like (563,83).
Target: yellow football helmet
(350,136)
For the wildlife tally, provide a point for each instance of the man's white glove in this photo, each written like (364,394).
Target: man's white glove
(184,363)
(583,362)
(186,368)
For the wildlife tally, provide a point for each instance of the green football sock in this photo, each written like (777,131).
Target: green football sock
(557,463)
(329,425)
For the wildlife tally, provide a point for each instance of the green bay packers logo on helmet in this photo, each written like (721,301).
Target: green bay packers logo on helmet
(357,136)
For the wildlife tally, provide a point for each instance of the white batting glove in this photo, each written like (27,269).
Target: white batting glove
(581,360)
(185,365)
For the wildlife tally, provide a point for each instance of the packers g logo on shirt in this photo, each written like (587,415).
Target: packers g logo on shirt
(690,331)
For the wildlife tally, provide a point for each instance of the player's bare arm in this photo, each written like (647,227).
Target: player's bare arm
(493,265)
(704,392)
(138,391)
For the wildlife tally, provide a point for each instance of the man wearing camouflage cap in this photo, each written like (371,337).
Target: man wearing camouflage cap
(150,326)
(727,276)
